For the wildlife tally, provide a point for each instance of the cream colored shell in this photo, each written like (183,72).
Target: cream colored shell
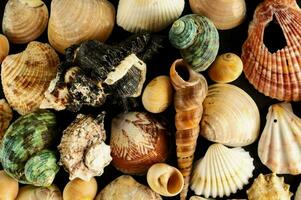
(298,193)
(6,115)
(4,47)
(148,15)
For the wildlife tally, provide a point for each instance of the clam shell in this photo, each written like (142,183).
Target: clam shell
(24,20)
(26,76)
(74,21)
(148,15)
(224,14)
(278,74)
(126,188)
(298,193)
(197,39)
(267,187)
(4,47)
(230,116)
(138,141)
(280,142)
(6,115)
(222,171)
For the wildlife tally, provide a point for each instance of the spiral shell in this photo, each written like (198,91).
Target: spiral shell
(26,76)
(4,47)
(6,115)
(197,39)
(191,89)
(24,20)
(74,21)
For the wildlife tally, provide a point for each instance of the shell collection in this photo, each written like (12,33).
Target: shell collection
(124,92)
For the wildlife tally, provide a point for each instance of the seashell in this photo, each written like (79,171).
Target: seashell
(157,95)
(197,198)
(24,20)
(24,154)
(298,193)
(224,14)
(222,171)
(74,21)
(83,151)
(120,187)
(26,76)
(230,116)
(138,141)
(36,193)
(6,115)
(148,15)
(191,89)
(267,187)
(276,75)
(197,39)
(165,180)
(9,187)
(279,144)
(4,47)
(78,189)
(226,68)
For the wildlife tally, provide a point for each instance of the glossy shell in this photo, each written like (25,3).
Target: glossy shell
(222,171)
(230,116)
(148,15)
(157,95)
(24,20)
(9,187)
(37,193)
(197,39)
(26,76)
(138,141)
(4,47)
(6,115)
(74,21)
(78,189)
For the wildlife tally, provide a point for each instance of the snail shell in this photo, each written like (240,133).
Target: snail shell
(4,47)
(6,115)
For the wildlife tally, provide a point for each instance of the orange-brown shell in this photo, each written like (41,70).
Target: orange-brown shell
(4,47)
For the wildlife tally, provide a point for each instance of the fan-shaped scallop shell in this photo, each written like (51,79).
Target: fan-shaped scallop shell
(75,21)
(277,75)
(24,20)
(224,14)
(4,47)
(279,147)
(267,187)
(230,116)
(6,115)
(197,39)
(26,76)
(148,15)
(222,171)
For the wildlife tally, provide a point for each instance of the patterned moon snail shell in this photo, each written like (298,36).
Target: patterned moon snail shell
(138,141)
(197,39)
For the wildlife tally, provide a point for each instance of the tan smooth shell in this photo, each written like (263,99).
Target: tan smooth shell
(30,192)
(24,20)
(4,47)
(157,95)
(6,115)
(9,187)
(74,21)
(78,189)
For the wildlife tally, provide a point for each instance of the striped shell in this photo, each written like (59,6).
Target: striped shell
(197,39)
(6,115)
(26,76)
(4,47)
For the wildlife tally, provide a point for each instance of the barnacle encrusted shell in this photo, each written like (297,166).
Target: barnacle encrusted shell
(269,186)
(278,74)
(24,20)
(280,142)
(127,188)
(24,154)
(6,115)
(26,76)
(74,21)
(230,116)
(138,140)
(222,171)
(4,47)
(83,151)
(148,15)
(197,39)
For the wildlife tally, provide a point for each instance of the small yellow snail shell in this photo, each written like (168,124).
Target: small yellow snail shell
(78,189)
(4,47)
(9,187)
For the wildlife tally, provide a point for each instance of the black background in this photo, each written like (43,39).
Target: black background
(230,41)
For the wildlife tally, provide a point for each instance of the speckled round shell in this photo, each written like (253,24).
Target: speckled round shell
(26,76)
(4,47)
(6,115)
(197,39)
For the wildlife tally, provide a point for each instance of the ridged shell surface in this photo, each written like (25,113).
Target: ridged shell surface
(26,76)
(222,171)
(230,116)
(148,15)
(6,115)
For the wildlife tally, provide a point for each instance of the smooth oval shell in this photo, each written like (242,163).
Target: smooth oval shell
(24,20)
(6,115)
(37,193)
(224,14)
(230,116)
(138,141)
(78,189)
(9,187)
(226,68)
(157,95)
(26,76)
(148,15)
(4,47)
(75,21)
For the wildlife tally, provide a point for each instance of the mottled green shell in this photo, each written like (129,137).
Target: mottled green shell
(26,137)
(198,40)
